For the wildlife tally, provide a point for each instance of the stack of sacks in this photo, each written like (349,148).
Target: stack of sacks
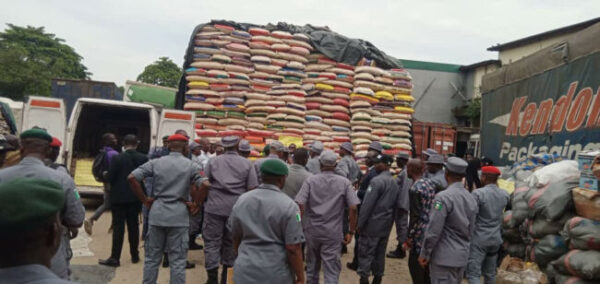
(279,59)
(382,98)
(328,84)
(550,206)
(513,221)
(218,81)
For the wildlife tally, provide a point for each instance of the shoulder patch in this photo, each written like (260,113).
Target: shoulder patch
(76,194)
(369,188)
(438,205)
(298,218)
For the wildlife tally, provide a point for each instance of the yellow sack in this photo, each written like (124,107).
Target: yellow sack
(198,83)
(384,95)
(404,109)
(406,98)
(324,87)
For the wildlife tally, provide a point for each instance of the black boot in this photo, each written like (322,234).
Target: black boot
(398,253)
(193,245)
(376,280)
(364,280)
(213,276)
(224,274)
(165,261)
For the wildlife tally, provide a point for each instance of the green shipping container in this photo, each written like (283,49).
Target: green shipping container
(150,94)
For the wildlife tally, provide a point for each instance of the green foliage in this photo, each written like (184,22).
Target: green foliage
(474,108)
(30,58)
(163,72)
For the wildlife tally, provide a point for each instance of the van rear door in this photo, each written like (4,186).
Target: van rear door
(47,113)
(173,120)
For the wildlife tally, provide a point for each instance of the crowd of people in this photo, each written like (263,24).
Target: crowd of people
(278,219)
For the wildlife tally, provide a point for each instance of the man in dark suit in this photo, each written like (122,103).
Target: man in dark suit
(125,205)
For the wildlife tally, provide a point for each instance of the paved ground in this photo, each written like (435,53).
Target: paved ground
(88,249)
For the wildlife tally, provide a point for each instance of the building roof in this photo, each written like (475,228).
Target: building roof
(544,35)
(433,66)
(480,64)
(84,80)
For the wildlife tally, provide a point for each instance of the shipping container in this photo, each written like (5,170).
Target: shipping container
(70,90)
(438,136)
(158,96)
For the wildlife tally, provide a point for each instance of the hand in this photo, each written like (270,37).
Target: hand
(407,245)
(193,208)
(348,238)
(299,281)
(148,202)
(73,232)
(423,262)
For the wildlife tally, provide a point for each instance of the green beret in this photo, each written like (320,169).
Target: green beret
(36,133)
(28,202)
(274,167)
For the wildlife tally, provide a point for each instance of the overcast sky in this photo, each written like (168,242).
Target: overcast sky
(118,38)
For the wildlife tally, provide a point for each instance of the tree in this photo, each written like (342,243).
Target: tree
(30,58)
(163,72)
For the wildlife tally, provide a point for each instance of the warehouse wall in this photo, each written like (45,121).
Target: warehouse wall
(437,104)
(511,55)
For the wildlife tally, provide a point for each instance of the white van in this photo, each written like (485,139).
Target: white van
(47,113)
(91,118)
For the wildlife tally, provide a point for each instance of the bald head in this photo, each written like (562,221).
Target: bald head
(415,168)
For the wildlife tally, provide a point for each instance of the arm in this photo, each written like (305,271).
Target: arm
(368,204)
(302,196)
(294,256)
(294,237)
(426,196)
(343,169)
(134,178)
(252,181)
(113,169)
(233,224)
(73,212)
(434,228)
(353,215)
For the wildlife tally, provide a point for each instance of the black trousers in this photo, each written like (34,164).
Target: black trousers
(125,213)
(418,274)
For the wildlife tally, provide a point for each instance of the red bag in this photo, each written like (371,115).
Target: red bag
(206,133)
(341,102)
(341,116)
(312,105)
(232,133)
(259,133)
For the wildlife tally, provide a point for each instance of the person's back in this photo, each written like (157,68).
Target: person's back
(229,176)
(30,230)
(267,212)
(297,173)
(377,211)
(461,208)
(491,201)
(486,238)
(171,178)
(122,165)
(326,195)
(32,166)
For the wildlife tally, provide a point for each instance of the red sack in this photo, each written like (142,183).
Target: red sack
(341,102)
(232,133)
(259,133)
(341,116)
(312,105)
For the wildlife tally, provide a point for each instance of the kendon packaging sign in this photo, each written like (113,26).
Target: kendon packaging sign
(557,111)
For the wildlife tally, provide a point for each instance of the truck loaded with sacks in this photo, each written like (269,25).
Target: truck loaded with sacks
(548,102)
(297,84)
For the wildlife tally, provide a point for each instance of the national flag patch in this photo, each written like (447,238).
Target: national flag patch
(438,205)
(298,218)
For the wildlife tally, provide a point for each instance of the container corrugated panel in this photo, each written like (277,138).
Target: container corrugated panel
(442,138)
(438,136)
(70,90)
